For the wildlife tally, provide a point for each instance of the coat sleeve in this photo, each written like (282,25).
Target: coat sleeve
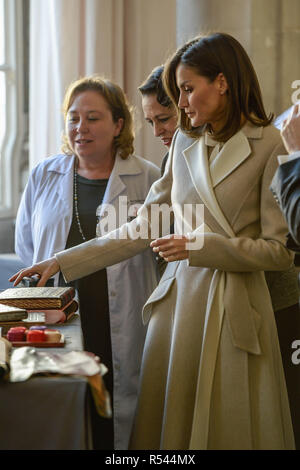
(286,189)
(267,252)
(23,233)
(123,243)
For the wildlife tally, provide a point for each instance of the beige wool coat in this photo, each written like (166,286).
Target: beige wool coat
(212,375)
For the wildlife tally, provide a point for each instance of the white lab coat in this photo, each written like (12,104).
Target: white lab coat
(42,227)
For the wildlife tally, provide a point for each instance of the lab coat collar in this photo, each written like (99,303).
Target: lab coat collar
(65,164)
(122,167)
(115,186)
(62,165)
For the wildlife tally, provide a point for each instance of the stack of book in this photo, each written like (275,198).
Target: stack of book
(37,305)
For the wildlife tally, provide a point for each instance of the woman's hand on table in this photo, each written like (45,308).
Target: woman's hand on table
(44,270)
(171,248)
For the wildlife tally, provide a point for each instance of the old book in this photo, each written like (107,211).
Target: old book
(53,316)
(70,309)
(34,298)
(8,313)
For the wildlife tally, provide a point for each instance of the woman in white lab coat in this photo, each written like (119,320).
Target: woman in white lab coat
(58,210)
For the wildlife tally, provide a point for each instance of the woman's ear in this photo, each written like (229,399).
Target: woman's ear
(222,83)
(119,126)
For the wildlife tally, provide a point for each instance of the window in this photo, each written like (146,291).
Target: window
(11,103)
(2,75)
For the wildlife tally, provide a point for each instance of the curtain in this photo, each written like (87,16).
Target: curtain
(120,39)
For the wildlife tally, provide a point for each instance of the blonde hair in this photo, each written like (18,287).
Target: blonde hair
(118,105)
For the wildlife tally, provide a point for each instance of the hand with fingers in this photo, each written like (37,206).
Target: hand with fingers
(44,270)
(171,248)
(290,131)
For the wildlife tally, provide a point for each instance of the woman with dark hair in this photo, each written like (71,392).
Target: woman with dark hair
(244,104)
(160,112)
(97,168)
(212,375)
(158,109)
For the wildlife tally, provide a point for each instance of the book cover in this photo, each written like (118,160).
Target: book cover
(34,298)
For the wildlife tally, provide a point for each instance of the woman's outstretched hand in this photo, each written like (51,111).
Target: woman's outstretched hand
(44,270)
(171,248)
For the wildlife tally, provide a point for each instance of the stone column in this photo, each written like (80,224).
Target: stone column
(269,30)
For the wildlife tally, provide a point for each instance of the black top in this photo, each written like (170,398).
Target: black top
(93,299)
(90,194)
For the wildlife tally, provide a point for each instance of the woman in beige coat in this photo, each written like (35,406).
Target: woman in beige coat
(212,375)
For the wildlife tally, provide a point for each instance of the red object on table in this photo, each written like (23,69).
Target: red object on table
(35,336)
(16,334)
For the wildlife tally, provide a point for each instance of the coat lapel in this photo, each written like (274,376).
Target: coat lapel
(232,154)
(206,176)
(197,161)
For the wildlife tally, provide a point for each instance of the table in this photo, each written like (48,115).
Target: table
(47,413)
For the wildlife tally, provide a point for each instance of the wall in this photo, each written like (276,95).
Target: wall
(150,38)
(269,30)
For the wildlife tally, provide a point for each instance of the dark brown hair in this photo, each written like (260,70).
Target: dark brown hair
(117,103)
(209,56)
(153,86)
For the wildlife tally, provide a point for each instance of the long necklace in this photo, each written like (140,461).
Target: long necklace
(76,205)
